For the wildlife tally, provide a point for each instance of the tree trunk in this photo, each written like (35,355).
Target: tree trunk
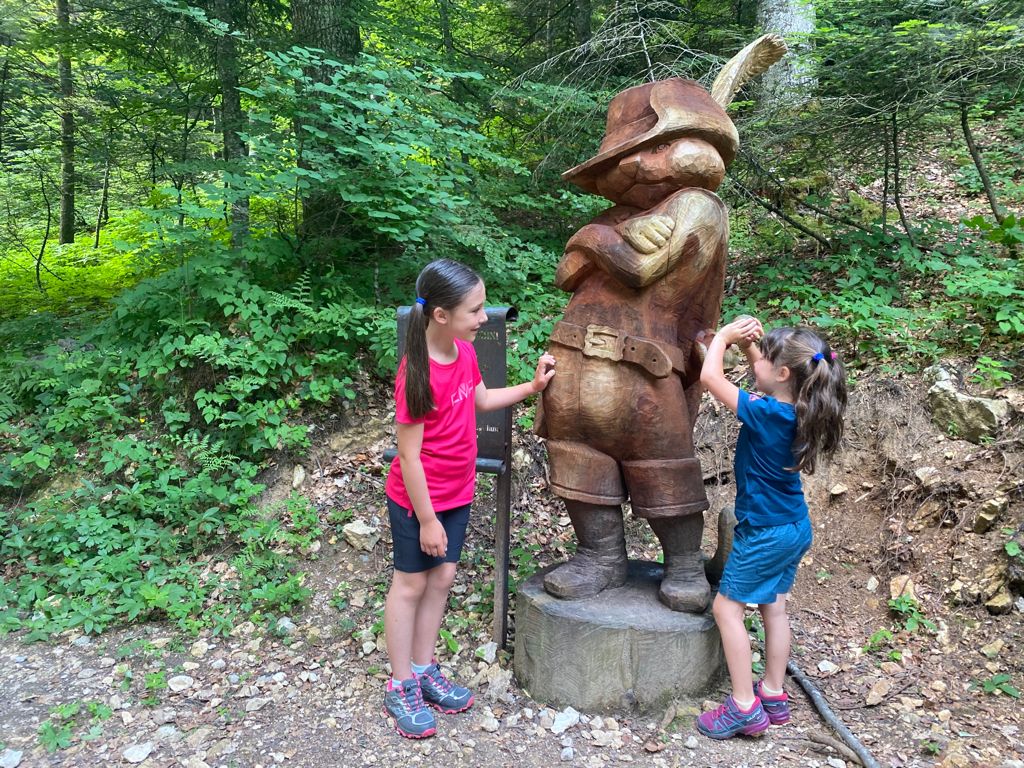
(897,194)
(986,182)
(790,81)
(444,19)
(581,12)
(329,25)
(46,234)
(67,126)
(103,214)
(232,118)
(885,184)
(4,75)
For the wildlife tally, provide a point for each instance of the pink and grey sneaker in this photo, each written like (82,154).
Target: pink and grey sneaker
(729,720)
(441,693)
(776,707)
(404,703)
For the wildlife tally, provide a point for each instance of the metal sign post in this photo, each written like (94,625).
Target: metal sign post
(494,445)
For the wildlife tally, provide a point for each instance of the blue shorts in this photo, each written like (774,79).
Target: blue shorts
(763,561)
(405,538)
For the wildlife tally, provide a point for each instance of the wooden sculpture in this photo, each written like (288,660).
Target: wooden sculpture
(646,277)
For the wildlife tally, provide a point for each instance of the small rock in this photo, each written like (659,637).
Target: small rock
(360,535)
(10,758)
(168,733)
(567,754)
(927,476)
(81,641)
(179,683)
(827,667)
(835,762)
(285,626)
(691,743)
(164,715)
(488,652)
(199,648)
(878,692)
(298,476)
(988,514)
(218,664)
(837,490)
(1001,603)
(992,649)
(489,723)
(565,720)
(256,704)
(872,584)
(900,586)
(136,753)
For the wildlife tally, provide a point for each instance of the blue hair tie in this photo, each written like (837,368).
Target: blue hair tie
(818,356)
(421,301)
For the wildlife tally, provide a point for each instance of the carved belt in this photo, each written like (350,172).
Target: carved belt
(655,357)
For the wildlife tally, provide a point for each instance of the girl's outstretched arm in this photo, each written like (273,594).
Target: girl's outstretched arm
(433,539)
(496,399)
(744,331)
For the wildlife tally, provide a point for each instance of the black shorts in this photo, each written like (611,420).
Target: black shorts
(405,537)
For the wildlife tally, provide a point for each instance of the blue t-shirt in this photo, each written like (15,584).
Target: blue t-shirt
(766,492)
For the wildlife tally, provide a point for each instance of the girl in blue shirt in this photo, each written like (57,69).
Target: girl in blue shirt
(797,422)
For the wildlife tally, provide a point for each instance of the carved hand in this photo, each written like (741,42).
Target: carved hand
(648,233)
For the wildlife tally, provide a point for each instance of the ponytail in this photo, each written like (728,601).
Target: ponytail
(818,383)
(443,284)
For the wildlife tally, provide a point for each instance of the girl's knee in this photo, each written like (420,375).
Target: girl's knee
(410,586)
(442,577)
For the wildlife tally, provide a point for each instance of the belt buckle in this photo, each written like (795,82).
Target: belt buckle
(603,341)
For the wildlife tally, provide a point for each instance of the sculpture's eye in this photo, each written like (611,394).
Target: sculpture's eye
(660,148)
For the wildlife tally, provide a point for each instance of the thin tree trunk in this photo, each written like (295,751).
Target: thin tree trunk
(102,214)
(897,195)
(581,13)
(67,126)
(447,42)
(46,234)
(233,120)
(4,75)
(769,206)
(885,184)
(986,182)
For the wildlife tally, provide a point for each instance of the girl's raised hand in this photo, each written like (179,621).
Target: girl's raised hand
(743,331)
(545,370)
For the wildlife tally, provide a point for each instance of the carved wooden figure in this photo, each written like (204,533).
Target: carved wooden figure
(646,277)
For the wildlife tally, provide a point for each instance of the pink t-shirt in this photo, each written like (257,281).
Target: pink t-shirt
(449,432)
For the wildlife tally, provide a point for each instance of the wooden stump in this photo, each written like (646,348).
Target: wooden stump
(619,650)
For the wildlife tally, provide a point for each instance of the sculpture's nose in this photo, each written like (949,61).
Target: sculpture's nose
(630,164)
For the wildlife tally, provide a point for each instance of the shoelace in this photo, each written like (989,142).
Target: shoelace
(416,695)
(440,680)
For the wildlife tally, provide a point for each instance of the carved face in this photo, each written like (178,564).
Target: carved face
(646,177)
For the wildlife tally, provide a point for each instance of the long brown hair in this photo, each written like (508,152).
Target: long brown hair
(818,384)
(442,284)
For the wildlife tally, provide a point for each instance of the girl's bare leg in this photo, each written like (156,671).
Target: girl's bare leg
(736,644)
(400,611)
(777,636)
(430,612)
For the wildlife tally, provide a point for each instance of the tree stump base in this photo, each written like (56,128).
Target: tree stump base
(620,650)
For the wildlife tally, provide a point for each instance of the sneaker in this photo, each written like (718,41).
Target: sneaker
(405,704)
(776,707)
(442,694)
(727,721)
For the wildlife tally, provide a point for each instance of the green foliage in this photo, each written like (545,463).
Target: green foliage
(997,684)
(909,613)
(58,732)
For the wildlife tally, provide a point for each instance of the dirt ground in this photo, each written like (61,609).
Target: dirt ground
(900,504)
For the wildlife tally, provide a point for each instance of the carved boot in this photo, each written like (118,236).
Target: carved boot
(600,559)
(726,524)
(684,587)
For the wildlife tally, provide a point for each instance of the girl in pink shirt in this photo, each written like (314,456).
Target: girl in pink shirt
(430,487)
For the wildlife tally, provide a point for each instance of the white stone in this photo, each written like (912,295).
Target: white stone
(255,705)
(565,720)
(179,683)
(10,758)
(827,667)
(360,535)
(136,753)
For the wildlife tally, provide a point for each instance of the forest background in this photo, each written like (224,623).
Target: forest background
(209,211)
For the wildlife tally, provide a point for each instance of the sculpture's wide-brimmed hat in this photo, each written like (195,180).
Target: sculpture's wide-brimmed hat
(654,113)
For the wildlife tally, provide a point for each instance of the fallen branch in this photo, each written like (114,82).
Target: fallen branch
(820,704)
